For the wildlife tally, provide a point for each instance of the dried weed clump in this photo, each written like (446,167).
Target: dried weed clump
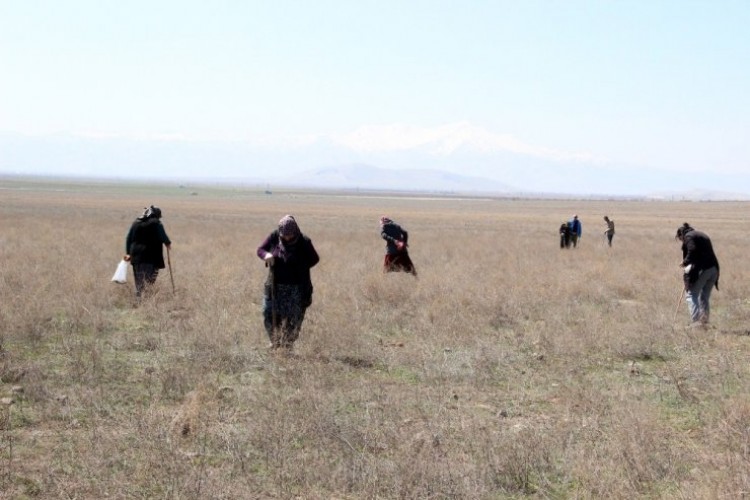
(509,368)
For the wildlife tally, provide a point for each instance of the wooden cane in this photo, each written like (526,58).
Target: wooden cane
(679,302)
(274,320)
(169,263)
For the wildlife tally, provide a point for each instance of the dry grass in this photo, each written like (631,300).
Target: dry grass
(509,369)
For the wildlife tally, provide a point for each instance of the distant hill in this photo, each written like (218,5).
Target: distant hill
(362,176)
(463,160)
(699,195)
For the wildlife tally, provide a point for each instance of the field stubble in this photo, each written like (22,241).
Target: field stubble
(509,368)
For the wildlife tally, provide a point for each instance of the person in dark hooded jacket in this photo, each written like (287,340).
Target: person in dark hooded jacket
(701,271)
(288,289)
(143,248)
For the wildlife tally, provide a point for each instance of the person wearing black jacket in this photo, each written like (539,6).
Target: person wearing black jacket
(564,235)
(288,289)
(610,231)
(396,247)
(143,248)
(701,271)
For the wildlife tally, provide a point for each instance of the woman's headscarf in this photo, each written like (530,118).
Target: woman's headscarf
(288,227)
(151,212)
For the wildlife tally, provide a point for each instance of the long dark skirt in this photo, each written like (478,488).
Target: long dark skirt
(398,262)
(145,275)
(283,313)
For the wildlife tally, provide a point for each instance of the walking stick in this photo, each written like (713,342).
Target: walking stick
(274,323)
(169,263)
(679,302)
(274,319)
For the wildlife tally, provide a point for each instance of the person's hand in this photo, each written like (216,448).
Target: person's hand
(126,258)
(268,258)
(400,245)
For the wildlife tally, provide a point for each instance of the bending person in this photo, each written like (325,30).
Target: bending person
(289,255)
(396,244)
(701,271)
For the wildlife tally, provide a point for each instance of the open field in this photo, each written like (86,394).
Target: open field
(509,369)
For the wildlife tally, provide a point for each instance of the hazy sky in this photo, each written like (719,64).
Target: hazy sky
(644,82)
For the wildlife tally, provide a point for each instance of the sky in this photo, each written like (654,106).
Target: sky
(625,85)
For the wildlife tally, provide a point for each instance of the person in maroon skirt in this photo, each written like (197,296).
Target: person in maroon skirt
(396,244)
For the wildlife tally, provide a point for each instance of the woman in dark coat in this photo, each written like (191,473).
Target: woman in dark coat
(143,248)
(564,235)
(289,255)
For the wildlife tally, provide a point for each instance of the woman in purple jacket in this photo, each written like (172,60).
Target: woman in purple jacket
(289,255)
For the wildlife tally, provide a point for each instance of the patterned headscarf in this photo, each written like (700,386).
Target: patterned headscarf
(288,226)
(385,220)
(151,212)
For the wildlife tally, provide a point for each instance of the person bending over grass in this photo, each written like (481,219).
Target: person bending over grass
(396,244)
(701,271)
(288,289)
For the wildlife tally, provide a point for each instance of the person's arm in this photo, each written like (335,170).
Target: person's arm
(312,256)
(128,242)
(387,237)
(265,250)
(688,252)
(163,236)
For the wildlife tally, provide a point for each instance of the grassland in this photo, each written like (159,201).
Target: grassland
(508,369)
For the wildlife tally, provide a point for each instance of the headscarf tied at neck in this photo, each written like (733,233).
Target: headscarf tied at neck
(288,227)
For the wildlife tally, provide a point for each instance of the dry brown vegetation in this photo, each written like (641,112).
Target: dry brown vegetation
(509,369)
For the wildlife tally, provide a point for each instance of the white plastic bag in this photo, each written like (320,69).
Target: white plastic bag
(121,273)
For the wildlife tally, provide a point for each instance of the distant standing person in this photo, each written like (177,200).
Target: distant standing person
(289,256)
(576,230)
(143,248)
(701,271)
(396,244)
(564,235)
(610,231)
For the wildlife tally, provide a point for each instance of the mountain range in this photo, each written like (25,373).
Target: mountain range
(459,161)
